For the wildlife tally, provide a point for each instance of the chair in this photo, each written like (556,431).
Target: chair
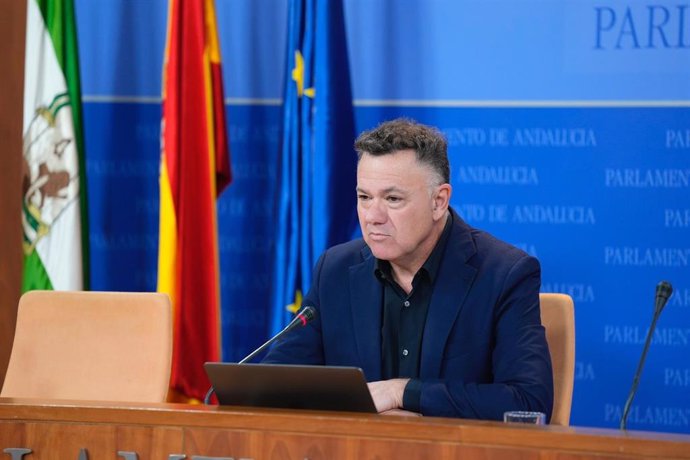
(99,346)
(558,318)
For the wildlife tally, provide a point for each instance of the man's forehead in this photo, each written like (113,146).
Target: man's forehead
(392,155)
(389,164)
(393,171)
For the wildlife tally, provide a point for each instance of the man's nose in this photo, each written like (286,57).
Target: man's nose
(375,213)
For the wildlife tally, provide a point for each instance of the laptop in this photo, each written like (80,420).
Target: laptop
(333,388)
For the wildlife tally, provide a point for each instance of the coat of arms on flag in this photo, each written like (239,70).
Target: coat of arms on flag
(50,179)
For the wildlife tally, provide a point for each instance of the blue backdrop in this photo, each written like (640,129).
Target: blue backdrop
(569,131)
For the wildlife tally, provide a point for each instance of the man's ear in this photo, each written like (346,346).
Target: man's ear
(442,200)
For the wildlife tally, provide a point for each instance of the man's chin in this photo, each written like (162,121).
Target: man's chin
(381,251)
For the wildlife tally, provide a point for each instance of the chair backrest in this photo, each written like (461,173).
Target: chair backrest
(558,318)
(99,346)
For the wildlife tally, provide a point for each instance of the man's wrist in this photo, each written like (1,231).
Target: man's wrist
(400,393)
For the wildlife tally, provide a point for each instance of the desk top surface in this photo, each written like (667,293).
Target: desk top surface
(474,432)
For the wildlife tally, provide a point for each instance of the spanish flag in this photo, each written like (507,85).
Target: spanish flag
(195,168)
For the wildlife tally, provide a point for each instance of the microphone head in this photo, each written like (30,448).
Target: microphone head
(663,292)
(301,319)
(308,313)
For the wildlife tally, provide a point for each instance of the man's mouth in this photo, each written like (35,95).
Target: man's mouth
(375,236)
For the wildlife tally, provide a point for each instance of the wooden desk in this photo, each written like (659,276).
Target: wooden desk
(59,430)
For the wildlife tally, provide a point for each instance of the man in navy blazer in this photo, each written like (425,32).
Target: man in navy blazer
(442,318)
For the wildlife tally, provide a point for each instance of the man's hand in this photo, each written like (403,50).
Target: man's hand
(387,394)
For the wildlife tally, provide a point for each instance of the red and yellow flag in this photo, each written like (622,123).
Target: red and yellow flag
(195,169)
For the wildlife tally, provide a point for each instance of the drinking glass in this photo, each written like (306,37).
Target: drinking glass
(518,416)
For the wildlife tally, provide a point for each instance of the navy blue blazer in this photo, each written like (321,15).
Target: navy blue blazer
(484,349)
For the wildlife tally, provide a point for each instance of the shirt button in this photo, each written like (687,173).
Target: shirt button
(407,303)
(405,352)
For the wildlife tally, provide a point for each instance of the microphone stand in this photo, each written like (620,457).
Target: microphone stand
(638,372)
(663,292)
(301,319)
(251,355)
(209,393)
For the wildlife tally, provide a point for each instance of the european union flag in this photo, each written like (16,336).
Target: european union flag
(317,200)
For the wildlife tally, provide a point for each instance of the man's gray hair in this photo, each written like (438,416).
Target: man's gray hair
(428,143)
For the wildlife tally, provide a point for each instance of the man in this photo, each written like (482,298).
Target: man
(443,318)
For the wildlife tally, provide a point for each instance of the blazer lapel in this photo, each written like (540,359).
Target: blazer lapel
(366,295)
(451,287)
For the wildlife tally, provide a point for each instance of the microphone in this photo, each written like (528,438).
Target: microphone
(663,292)
(307,314)
(301,319)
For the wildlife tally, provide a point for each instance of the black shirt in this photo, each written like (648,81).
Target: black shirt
(404,317)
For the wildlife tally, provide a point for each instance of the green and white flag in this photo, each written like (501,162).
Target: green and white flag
(52,183)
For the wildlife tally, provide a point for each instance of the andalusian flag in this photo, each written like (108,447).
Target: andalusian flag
(317,205)
(54,205)
(194,170)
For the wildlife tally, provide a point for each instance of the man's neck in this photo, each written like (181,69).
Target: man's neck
(404,271)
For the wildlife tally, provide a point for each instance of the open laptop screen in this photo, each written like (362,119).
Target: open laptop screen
(291,386)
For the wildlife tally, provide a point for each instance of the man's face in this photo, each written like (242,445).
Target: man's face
(396,207)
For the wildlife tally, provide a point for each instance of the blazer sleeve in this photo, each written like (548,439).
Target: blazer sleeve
(520,360)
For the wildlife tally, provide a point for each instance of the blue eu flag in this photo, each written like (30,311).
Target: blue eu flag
(316,193)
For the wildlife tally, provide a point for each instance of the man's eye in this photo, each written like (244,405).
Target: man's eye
(394,199)
(361,197)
